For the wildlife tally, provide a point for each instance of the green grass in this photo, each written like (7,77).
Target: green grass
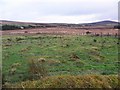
(64,55)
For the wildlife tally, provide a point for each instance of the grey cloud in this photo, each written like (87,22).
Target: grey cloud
(32,10)
(67,8)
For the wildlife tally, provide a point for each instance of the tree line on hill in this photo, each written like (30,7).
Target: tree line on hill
(15,27)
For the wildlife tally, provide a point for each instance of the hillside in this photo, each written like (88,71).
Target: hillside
(13,25)
(103,23)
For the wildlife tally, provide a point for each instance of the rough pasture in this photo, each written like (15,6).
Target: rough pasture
(62,54)
(50,55)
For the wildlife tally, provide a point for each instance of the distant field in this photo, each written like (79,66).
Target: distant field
(60,55)
(62,31)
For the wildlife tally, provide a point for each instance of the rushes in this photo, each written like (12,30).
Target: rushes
(37,68)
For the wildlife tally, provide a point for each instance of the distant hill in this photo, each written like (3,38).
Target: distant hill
(107,22)
(18,25)
(102,23)
(3,22)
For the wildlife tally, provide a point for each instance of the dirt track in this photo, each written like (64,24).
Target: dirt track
(60,31)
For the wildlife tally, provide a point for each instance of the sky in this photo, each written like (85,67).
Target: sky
(59,11)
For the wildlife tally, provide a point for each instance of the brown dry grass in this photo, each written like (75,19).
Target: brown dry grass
(68,81)
(60,31)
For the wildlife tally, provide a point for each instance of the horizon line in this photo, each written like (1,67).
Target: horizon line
(56,22)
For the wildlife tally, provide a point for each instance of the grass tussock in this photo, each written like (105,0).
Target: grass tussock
(37,68)
(68,81)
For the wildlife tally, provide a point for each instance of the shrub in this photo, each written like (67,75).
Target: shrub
(9,39)
(18,39)
(88,32)
(94,40)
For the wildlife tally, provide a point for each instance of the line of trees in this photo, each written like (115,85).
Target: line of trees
(14,27)
(10,27)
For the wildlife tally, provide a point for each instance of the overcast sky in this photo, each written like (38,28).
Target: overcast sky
(59,11)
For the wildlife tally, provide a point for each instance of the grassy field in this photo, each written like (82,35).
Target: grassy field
(58,55)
